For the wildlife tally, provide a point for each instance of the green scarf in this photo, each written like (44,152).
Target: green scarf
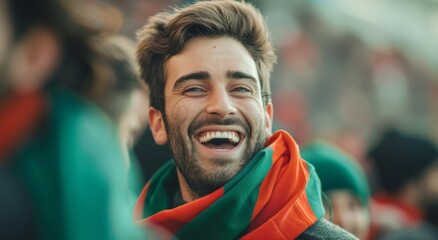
(276,196)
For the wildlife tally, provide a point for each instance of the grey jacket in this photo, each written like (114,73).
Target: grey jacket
(325,230)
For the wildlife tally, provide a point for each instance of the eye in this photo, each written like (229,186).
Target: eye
(242,89)
(354,204)
(194,91)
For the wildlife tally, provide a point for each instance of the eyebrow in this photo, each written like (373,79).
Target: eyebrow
(202,75)
(240,75)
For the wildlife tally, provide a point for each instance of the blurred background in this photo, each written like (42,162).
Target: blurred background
(348,73)
(347,68)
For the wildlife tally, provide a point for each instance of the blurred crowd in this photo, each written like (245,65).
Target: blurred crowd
(73,121)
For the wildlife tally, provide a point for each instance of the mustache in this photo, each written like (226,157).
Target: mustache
(236,121)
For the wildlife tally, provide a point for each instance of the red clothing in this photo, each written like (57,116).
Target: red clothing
(388,213)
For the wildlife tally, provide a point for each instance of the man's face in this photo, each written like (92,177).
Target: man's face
(348,213)
(215,119)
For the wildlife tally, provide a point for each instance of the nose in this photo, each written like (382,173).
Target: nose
(221,103)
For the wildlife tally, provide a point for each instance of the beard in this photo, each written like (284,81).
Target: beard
(201,182)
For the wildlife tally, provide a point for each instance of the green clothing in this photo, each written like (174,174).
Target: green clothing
(73,169)
(337,170)
(275,196)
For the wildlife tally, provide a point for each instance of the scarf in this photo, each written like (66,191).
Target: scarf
(277,195)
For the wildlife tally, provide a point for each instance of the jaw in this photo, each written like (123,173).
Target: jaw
(210,168)
(187,194)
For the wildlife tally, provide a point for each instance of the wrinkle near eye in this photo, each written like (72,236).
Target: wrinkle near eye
(179,90)
(194,91)
(183,88)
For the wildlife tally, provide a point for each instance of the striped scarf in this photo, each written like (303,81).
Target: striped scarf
(276,196)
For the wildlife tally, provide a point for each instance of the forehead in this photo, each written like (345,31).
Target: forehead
(213,55)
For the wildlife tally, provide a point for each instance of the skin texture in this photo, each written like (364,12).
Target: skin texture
(211,85)
(348,213)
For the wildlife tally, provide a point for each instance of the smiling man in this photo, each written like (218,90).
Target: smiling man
(208,68)
(218,119)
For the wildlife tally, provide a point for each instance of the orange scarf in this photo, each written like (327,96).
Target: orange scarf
(276,196)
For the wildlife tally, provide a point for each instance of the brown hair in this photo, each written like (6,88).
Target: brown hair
(166,34)
(116,71)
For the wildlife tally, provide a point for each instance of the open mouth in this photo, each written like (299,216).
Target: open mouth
(219,139)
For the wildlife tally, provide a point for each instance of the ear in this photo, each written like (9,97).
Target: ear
(269,117)
(34,60)
(157,126)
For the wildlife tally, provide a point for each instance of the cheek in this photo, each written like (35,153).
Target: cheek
(364,219)
(179,115)
(363,223)
(253,112)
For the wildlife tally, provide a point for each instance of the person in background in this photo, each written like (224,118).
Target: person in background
(126,100)
(61,163)
(406,167)
(208,69)
(344,183)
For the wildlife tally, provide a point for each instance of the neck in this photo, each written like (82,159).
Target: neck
(187,194)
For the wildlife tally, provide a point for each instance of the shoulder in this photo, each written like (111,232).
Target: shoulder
(326,230)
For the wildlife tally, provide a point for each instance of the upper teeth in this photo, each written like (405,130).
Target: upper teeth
(207,136)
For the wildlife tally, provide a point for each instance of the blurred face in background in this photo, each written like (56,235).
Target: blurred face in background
(348,213)
(135,119)
(429,182)
(27,62)
(428,193)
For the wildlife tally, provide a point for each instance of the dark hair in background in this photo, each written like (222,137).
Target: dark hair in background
(400,158)
(118,57)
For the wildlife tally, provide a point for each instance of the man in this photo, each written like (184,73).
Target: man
(208,67)
(61,164)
